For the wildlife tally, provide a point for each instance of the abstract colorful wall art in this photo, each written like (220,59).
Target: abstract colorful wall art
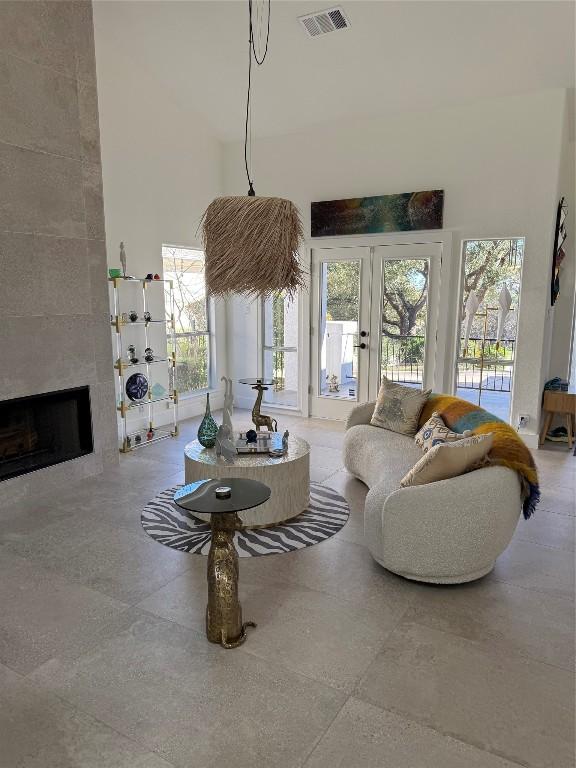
(404,212)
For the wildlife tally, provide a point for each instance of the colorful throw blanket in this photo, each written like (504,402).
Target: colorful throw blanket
(508,449)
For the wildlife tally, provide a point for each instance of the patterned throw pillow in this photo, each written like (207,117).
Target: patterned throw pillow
(435,432)
(449,460)
(398,407)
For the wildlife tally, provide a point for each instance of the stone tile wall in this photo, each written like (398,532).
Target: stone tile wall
(54,316)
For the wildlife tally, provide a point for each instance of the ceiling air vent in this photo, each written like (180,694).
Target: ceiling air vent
(324,21)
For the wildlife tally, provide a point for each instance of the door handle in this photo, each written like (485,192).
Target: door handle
(360,346)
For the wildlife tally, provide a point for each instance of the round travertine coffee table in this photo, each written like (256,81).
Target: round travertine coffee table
(288,477)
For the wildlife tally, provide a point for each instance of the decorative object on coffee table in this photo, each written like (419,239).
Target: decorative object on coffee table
(224,445)
(288,476)
(208,428)
(228,409)
(326,513)
(259,419)
(222,499)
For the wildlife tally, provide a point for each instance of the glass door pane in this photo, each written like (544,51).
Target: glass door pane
(492,271)
(404,317)
(280,348)
(340,318)
(282,366)
(339,329)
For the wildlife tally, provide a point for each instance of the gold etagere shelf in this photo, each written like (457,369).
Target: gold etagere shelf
(131,440)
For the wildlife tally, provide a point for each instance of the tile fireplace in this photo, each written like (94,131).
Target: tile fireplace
(39,431)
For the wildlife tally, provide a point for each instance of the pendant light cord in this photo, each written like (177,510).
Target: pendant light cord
(259,61)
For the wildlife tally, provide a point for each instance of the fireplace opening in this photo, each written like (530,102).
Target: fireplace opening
(41,430)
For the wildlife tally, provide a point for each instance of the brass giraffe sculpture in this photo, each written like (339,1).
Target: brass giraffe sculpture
(259,419)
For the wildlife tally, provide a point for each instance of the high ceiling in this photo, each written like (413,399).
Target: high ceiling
(396,57)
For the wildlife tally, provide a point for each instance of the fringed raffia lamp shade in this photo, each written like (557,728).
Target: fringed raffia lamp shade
(251,246)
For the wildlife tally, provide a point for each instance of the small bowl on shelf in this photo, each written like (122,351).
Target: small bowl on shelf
(114,272)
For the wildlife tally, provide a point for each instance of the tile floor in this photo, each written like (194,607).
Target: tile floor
(103,661)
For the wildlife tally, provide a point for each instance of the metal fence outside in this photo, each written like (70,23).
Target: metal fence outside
(402,360)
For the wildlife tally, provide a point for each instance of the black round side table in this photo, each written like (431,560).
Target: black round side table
(222,499)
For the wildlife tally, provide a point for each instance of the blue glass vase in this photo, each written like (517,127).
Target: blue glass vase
(208,428)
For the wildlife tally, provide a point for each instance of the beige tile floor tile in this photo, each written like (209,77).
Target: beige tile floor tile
(533,566)
(364,736)
(501,617)
(39,730)
(551,529)
(517,708)
(194,703)
(117,499)
(321,636)
(124,564)
(341,569)
(557,497)
(354,492)
(43,615)
(321,474)
(318,635)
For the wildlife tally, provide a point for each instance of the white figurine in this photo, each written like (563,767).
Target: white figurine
(224,445)
(228,409)
(123,258)
(285,437)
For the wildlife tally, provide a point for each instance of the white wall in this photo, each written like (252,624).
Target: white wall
(161,165)
(497,161)
(562,314)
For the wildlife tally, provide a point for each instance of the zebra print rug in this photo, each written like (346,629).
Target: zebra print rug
(169,524)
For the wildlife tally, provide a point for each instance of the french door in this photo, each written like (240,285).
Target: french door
(373,313)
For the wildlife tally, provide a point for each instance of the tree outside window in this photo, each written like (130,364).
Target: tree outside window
(185,267)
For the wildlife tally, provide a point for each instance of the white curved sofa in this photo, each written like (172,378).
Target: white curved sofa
(446,532)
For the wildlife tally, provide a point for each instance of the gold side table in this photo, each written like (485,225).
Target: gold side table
(222,499)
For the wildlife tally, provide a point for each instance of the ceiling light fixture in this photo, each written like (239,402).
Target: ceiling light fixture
(251,243)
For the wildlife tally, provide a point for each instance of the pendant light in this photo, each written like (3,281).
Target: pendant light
(251,243)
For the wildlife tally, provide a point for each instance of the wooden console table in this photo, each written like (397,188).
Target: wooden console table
(563,403)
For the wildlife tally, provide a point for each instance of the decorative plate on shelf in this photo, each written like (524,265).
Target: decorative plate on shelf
(137,386)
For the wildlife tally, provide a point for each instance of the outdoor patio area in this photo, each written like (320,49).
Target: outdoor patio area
(495,402)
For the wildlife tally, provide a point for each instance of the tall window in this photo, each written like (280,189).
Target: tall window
(492,271)
(185,267)
(280,348)
(404,320)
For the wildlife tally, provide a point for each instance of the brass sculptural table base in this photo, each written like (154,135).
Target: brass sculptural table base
(224,613)
(222,499)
